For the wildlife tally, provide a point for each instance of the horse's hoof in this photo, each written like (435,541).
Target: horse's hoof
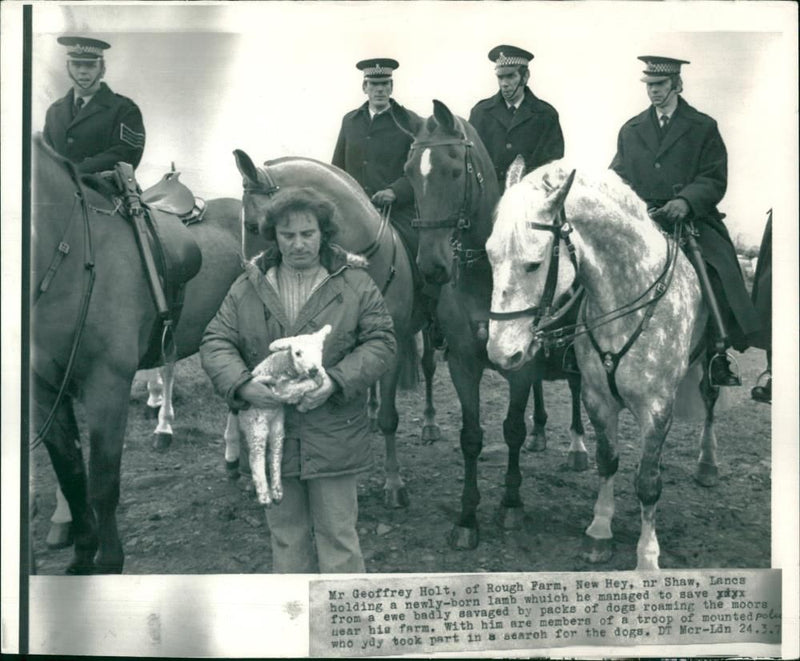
(431,434)
(597,550)
(511,517)
(151,412)
(232,469)
(396,498)
(706,474)
(578,461)
(464,538)
(536,443)
(59,536)
(162,442)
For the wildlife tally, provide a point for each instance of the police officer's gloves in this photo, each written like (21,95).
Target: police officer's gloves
(675,210)
(384,198)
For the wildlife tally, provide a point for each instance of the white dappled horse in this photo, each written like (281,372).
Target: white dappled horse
(641,318)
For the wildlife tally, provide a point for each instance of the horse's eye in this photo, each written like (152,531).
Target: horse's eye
(251,228)
(456,174)
(298,353)
(530,267)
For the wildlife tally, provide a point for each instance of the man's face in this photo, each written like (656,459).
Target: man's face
(659,93)
(378,92)
(86,74)
(511,84)
(299,239)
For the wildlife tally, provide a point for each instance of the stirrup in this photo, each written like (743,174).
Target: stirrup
(734,369)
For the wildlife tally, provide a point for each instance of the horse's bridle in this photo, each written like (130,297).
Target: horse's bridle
(461,219)
(559,337)
(542,314)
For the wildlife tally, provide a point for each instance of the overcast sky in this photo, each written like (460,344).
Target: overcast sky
(275,78)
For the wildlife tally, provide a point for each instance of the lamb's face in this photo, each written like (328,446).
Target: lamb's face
(306,352)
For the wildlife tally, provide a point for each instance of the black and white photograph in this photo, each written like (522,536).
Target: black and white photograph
(393,328)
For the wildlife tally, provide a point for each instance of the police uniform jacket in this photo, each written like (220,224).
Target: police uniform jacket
(533,131)
(107,130)
(374,151)
(690,161)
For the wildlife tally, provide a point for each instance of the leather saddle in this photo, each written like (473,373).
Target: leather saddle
(173,196)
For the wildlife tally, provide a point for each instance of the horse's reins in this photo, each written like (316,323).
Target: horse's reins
(269,187)
(460,220)
(543,317)
(61,252)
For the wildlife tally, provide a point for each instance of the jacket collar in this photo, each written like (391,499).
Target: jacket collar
(529,106)
(100,102)
(334,259)
(645,125)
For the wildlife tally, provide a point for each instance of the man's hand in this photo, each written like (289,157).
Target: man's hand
(318,396)
(257,394)
(384,197)
(675,210)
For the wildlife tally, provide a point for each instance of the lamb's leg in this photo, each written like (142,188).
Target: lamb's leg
(256,429)
(275,440)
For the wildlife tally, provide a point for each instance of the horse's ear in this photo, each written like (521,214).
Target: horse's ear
(443,115)
(557,197)
(515,171)
(245,165)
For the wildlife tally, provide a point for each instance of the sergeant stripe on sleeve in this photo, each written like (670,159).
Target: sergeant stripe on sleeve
(131,137)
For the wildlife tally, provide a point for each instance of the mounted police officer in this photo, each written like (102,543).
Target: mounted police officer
(515,121)
(92,126)
(373,145)
(675,160)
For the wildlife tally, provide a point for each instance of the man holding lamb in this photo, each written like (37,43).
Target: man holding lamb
(298,288)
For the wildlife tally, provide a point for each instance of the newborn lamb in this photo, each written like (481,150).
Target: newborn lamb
(293,369)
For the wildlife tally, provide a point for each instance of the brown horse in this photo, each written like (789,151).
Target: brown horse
(456,192)
(92,318)
(360,229)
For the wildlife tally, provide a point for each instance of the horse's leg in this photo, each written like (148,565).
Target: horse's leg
(604,417)
(707,471)
(519,387)
(538,439)
(166,414)
(430,430)
(60,534)
(155,392)
(394,490)
(372,407)
(654,429)
(233,439)
(578,457)
(105,399)
(63,446)
(466,371)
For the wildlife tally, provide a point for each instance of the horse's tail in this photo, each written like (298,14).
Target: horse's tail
(407,361)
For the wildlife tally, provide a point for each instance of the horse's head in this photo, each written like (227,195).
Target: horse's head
(521,251)
(455,189)
(257,187)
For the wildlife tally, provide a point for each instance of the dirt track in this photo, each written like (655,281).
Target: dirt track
(179,513)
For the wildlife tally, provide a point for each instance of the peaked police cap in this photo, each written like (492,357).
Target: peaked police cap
(659,68)
(83,48)
(379,68)
(509,56)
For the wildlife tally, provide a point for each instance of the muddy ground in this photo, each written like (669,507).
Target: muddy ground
(180,514)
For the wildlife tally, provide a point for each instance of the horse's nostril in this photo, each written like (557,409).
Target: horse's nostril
(313,371)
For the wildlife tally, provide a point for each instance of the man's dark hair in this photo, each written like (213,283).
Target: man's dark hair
(292,200)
